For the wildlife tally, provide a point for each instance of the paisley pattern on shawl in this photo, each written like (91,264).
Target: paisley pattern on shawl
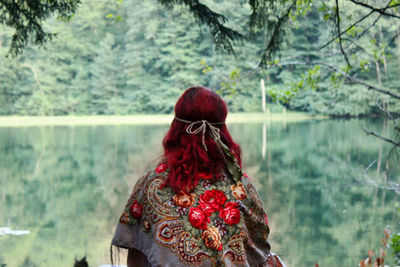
(221,222)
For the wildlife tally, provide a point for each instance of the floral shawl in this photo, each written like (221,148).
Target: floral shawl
(220,223)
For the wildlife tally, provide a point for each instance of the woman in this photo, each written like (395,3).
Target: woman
(196,207)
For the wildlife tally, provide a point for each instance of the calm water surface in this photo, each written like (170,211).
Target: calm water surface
(68,185)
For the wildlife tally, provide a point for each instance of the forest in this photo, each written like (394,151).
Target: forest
(130,57)
(330,188)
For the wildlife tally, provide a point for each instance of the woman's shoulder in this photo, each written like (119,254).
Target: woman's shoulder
(155,175)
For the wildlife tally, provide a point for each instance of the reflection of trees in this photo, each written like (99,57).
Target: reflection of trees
(70,201)
(317,212)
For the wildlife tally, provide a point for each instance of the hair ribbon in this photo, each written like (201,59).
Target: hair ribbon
(232,164)
(203,124)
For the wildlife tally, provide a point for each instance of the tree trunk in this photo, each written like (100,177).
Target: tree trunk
(264,141)
(378,72)
(42,94)
(263,99)
(398,44)
(384,56)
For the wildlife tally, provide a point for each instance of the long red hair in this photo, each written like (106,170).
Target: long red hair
(184,152)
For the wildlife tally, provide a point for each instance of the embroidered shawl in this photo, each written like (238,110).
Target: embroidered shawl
(220,223)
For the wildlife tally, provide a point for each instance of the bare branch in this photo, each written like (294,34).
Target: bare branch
(344,74)
(340,36)
(369,27)
(370,165)
(386,112)
(393,6)
(359,21)
(348,28)
(369,132)
(361,176)
(356,80)
(379,10)
(391,41)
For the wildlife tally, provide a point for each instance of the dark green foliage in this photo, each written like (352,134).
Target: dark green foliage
(142,61)
(223,36)
(272,16)
(26,17)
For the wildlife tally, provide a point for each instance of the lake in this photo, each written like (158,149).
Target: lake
(67,185)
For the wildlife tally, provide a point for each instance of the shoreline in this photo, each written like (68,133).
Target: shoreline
(144,119)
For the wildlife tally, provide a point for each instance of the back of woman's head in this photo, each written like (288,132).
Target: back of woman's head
(187,159)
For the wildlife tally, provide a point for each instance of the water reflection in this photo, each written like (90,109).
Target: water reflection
(67,186)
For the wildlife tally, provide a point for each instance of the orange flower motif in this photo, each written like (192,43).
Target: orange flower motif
(124,218)
(147,225)
(183,199)
(212,238)
(238,191)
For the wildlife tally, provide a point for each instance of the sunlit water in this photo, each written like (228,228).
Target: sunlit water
(67,187)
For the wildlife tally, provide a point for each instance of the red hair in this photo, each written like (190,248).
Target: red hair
(183,152)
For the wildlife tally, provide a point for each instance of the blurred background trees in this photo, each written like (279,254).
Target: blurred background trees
(129,57)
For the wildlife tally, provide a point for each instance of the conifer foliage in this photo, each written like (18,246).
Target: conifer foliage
(26,17)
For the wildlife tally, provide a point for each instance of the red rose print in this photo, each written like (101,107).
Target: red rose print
(206,208)
(136,210)
(205,176)
(162,168)
(230,213)
(198,218)
(212,201)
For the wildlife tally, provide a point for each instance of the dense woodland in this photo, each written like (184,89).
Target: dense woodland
(129,57)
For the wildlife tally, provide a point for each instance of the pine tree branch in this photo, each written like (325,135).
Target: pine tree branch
(276,36)
(224,37)
(26,18)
